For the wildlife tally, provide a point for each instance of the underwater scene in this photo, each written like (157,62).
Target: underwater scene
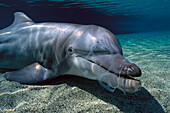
(85,56)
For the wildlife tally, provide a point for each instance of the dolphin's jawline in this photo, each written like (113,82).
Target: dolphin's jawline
(118,75)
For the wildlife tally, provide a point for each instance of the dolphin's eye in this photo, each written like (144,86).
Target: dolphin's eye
(70,50)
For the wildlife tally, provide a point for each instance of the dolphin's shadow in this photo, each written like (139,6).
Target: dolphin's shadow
(141,101)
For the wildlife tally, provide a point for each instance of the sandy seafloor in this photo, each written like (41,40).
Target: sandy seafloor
(151,51)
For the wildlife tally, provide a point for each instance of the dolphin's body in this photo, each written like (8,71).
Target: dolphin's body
(34,52)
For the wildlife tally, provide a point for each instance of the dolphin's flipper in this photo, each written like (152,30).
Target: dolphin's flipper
(31,74)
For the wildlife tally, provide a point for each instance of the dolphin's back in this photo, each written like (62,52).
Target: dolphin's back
(12,43)
(20,20)
(20,41)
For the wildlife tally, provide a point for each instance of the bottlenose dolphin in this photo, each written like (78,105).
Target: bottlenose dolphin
(33,52)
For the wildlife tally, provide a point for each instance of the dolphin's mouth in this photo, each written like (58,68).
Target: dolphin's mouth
(126,76)
(116,72)
(104,68)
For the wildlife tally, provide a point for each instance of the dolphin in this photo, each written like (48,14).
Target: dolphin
(33,52)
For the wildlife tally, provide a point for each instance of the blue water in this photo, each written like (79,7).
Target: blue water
(142,28)
(119,16)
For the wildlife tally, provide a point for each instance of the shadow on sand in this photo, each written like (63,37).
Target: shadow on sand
(139,102)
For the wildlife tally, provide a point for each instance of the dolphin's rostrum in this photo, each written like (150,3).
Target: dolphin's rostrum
(33,52)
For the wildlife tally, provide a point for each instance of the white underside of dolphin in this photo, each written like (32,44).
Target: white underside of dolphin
(33,52)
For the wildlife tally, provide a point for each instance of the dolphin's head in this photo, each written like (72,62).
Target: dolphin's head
(94,52)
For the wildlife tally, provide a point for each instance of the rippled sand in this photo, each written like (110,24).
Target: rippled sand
(151,51)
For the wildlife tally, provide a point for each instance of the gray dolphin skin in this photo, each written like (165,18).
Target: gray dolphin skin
(32,52)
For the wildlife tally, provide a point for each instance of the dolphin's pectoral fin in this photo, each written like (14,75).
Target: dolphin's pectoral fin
(31,74)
